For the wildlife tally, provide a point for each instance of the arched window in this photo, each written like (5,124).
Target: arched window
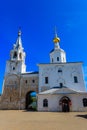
(45,103)
(57,58)
(61,84)
(85,102)
(52,60)
(13,68)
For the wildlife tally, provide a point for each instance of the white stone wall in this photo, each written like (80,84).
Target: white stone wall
(69,70)
(53,102)
(19,66)
(15,89)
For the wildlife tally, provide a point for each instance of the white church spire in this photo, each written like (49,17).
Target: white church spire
(17,53)
(19,41)
(16,64)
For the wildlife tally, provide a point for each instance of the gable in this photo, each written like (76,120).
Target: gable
(65,91)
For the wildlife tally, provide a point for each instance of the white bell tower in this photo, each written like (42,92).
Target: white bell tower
(16,64)
(57,55)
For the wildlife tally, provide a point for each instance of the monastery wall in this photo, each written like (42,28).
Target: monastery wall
(15,89)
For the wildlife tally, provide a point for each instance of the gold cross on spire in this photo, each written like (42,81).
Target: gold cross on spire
(56,38)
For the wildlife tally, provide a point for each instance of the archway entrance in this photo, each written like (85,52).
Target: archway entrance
(31,102)
(65,103)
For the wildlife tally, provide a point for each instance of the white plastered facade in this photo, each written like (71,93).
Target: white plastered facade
(55,95)
(61,80)
(55,80)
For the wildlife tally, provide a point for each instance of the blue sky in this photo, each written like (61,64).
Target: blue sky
(38,19)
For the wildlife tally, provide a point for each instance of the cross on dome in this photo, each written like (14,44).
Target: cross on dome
(19,31)
(19,41)
(56,38)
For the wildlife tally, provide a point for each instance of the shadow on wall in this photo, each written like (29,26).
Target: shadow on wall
(82,116)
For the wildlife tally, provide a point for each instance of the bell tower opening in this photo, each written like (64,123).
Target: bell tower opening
(15,54)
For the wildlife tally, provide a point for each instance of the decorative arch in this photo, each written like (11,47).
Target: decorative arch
(65,97)
(12,80)
(65,103)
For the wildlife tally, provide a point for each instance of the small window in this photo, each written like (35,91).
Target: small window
(26,81)
(61,84)
(59,70)
(75,79)
(46,80)
(33,81)
(45,103)
(85,102)
(57,58)
(52,60)
(13,68)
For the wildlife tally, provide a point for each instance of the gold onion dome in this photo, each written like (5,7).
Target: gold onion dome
(56,40)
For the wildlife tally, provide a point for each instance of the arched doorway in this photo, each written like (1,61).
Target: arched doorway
(65,103)
(31,101)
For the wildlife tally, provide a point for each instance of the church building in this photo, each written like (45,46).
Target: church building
(59,84)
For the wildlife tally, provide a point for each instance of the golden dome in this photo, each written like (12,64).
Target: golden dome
(56,39)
